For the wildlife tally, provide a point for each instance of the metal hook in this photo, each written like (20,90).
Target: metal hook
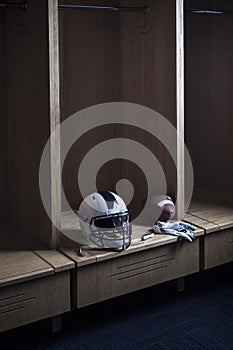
(146,9)
(145,28)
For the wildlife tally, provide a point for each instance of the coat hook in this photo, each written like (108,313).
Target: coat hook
(144,28)
(146,9)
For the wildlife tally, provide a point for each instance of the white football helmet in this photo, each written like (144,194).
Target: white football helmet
(104,221)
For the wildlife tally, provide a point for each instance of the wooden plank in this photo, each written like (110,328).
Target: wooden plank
(15,273)
(225,222)
(18,263)
(213,214)
(180,108)
(73,254)
(217,248)
(209,209)
(54,100)
(57,260)
(221,216)
(206,225)
(107,279)
(34,300)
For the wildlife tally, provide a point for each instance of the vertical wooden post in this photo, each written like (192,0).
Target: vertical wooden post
(54,117)
(180,107)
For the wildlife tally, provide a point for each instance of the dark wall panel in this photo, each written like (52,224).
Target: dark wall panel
(209,100)
(105,57)
(28,115)
(3,118)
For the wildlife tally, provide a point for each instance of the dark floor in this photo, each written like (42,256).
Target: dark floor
(155,318)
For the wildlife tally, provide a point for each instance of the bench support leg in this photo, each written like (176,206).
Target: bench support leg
(57,323)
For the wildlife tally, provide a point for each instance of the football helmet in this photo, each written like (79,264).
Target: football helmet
(105,222)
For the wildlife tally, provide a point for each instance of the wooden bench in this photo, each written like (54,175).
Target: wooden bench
(99,275)
(33,285)
(217,222)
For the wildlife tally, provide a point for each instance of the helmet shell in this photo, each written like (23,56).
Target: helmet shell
(105,221)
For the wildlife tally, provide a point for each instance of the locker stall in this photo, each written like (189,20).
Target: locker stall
(34,279)
(208,122)
(134,56)
(106,56)
(25,118)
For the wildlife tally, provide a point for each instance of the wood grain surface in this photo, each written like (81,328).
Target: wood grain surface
(218,248)
(206,225)
(19,263)
(53,257)
(54,103)
(115,277)
(220,216)
(28,115)
(181,180)
(34,300)
(57,260)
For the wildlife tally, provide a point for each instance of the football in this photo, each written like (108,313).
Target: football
(160,207)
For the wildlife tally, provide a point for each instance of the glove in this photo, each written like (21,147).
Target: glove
(178,228)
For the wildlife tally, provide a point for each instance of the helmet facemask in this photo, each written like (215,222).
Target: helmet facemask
(111,231)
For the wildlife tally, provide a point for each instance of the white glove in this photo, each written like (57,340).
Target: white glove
(178,228)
